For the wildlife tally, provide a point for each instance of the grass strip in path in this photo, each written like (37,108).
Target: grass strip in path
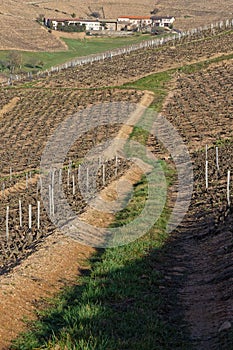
(117,304)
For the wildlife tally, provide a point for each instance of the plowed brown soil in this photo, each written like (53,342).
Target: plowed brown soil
(57,262)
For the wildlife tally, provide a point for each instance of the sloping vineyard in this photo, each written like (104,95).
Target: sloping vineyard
(199,255)
(184,37)
(25,129)
(117,70)
(201,107)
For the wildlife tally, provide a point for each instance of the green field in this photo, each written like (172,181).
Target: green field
(76,48)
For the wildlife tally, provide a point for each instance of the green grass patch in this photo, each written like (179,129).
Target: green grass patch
(76,48)
(158,84)
(154,82)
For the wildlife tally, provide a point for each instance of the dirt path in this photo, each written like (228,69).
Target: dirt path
(57,262)
(198,271)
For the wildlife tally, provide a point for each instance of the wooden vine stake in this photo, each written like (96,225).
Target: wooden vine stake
(30,216)
(217,162)
(73,180)
(7,223)
(50,200)
(116,170)
(20,214)
(38,215)
(206,175)
(228,187)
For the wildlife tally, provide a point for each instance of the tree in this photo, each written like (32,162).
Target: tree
(155,11)
(73,15)
(14,60)
(3,65)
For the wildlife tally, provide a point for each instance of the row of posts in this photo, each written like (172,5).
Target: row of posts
(51,190)
(118,52)
(217,167)
(21,217)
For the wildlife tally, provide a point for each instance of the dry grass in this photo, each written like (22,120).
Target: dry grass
(20,31)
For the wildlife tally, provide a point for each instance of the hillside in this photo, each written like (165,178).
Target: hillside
(20,31)
(178,289)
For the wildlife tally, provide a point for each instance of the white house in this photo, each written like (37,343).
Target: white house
(135,20)
(123,22)
(165,21)
(89,24)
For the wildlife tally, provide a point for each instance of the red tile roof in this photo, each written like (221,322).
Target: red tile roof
(135,17)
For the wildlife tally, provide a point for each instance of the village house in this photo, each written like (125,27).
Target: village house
(109,24)
(165,21)
(91,24)
(88,24)
(122,23)
(133,22)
